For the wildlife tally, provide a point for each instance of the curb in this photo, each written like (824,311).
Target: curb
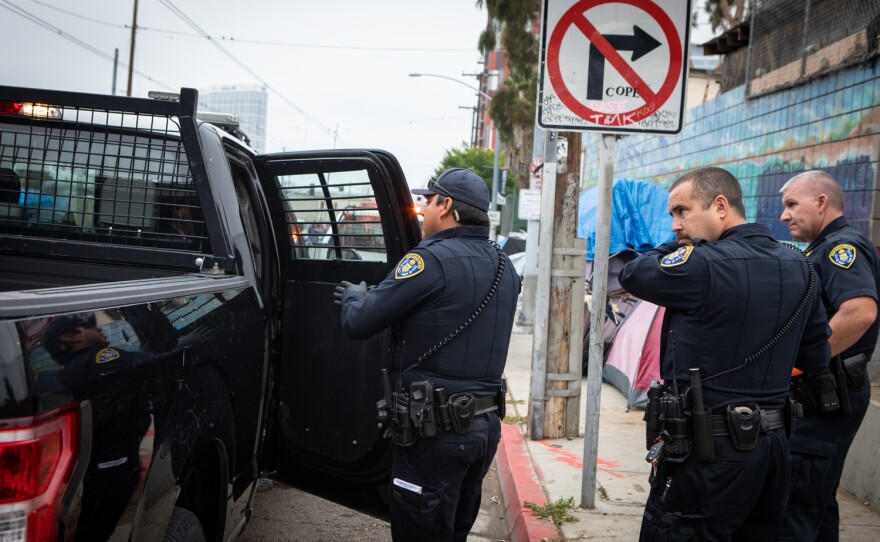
(519,483)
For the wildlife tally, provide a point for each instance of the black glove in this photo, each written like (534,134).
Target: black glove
(346,286)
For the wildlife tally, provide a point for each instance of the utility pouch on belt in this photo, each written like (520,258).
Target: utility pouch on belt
(855,368)
(842,388)
(802,393)
(744,424)
(793,412)
(502,399)
(462,407)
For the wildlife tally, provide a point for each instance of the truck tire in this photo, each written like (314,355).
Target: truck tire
(184,527)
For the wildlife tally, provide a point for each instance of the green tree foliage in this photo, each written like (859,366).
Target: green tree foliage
(723,14)
(513,105)
(481,161)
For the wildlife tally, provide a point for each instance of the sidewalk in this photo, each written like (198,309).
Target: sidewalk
(549,470)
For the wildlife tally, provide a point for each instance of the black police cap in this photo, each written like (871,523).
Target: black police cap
(460,184)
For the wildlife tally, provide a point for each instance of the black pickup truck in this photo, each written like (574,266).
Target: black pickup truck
(167,331)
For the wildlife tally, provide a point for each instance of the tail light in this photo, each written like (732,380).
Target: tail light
(37,456)
(29,109)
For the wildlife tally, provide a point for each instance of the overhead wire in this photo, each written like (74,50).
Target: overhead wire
(23,13)
(192,24)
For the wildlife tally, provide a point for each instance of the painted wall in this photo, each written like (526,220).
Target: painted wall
(832,123)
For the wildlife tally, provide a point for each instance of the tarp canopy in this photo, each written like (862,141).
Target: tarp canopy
(639,217)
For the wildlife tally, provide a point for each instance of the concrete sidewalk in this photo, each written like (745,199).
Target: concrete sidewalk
(549,470)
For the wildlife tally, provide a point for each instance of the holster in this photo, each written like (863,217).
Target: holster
(842,388)
(462,407)
(744,424)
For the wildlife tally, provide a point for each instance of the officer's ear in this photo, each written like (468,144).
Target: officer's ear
(446,207)
(721,205)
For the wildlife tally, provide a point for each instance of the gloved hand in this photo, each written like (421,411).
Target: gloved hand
(200,334)
(346,286)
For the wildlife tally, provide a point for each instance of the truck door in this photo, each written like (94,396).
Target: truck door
(338,215)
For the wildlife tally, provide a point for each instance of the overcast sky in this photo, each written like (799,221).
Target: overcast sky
(329,64)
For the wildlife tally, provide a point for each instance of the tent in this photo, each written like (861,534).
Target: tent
(634,359)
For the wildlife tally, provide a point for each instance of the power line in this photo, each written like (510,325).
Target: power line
(21,12)
(192,24)
(233,39)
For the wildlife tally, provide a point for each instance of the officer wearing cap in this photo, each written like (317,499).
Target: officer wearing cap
(448,334)
(729,290)
(847,264)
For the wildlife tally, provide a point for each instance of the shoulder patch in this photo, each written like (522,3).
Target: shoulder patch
(843,255)
(411,265)
(677,258)
(106,354)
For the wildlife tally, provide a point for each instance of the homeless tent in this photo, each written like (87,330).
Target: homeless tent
(639,221)
(634,358)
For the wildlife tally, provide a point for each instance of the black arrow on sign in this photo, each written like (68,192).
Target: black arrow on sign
(640,43)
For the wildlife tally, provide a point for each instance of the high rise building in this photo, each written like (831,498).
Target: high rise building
(249,102)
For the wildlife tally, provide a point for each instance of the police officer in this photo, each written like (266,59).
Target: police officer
(846,262)
(729,289)
(446,333)
(118,385)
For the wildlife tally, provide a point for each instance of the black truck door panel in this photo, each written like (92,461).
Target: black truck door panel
(338,215)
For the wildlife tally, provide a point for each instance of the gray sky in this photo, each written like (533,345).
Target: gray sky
(334,63)
(342,62)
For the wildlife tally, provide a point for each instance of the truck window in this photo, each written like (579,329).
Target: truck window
(106,184)
(333,216)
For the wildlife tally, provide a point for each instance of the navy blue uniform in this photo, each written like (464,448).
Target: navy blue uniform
(847,264)
(724,300)
(430,294)
(118,385)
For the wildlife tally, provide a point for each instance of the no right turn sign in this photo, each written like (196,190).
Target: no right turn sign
(613,65)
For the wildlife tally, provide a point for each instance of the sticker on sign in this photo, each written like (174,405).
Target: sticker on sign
(615,66)
(529,205)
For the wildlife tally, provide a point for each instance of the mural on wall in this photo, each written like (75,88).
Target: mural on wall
(832,123)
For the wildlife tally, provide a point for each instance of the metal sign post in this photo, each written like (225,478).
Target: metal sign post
(614,67)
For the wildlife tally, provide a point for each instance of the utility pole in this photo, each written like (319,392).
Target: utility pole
(559,307)
(115,66)
(134,23)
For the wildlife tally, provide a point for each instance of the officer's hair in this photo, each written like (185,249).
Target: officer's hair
(710,182)
(465,214)
(819,183)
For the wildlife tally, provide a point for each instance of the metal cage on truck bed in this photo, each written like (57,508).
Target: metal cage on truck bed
(99,171)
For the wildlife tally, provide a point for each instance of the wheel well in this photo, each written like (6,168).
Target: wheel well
(203,490)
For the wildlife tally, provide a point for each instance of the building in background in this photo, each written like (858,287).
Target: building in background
(249,102)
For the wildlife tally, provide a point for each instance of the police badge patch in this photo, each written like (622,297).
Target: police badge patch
(410,266)
(843,256)
(676,258)
(106,354)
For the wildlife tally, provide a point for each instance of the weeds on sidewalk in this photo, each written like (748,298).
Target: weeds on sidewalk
(557,512)
(514,420)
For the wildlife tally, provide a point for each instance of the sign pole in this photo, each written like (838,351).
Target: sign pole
(537,398)
(607,155)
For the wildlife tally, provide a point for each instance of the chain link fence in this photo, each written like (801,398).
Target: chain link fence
(793,41)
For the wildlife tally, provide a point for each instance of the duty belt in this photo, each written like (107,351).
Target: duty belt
(486,404)
(770,419)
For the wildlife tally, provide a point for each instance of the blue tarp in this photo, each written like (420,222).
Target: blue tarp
(639,217)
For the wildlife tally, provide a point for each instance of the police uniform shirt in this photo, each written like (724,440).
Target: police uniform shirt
(847,263)
(726,299)
(431,292)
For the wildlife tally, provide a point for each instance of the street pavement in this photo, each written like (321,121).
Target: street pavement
(547,471)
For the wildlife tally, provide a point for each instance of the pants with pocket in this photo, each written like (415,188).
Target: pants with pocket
(738,497)
(437,483)
(818,451)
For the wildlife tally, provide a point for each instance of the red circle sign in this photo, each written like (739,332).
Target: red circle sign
(575,17)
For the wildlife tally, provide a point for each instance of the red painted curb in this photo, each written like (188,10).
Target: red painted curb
(519,483)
